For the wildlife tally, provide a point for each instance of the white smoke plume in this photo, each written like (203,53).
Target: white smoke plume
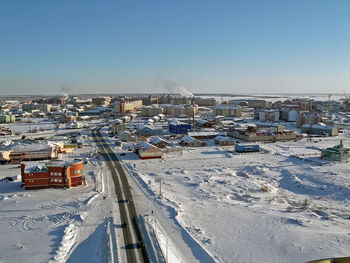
(65,89)
(172,87)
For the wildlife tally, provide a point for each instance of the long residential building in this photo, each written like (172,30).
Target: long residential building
(227,110)
(253,135)
(29,150)
(319,129)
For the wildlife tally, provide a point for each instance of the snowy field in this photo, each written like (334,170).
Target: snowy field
(270,206)
(279,205)
(55,225)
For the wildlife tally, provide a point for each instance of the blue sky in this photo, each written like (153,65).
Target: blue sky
(110,46)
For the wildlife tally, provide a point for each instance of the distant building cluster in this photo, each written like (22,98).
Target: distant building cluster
(167,122)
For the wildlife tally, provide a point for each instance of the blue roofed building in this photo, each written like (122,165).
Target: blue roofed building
(179,127)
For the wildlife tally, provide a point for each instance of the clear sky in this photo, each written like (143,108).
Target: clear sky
(111,46)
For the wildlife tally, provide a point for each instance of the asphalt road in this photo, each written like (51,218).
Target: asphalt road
(133,239)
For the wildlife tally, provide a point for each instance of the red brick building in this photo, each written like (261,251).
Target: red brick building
(56,174)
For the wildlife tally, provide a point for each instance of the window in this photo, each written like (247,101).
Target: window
(60,180)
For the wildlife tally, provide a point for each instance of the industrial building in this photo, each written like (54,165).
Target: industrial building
(57,174)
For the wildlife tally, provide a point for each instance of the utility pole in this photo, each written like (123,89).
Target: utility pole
(159,180)
(160,186)
(192,102)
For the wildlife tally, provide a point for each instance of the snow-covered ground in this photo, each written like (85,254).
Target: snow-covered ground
(278,205)
(269,206)
(56,225)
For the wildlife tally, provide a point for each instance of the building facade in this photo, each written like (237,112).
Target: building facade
(52,175)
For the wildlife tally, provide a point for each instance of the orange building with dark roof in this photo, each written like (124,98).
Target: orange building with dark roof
(56,174)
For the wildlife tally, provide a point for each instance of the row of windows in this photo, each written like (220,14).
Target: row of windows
(77,172)
(56,180)
(55,174)
(51,180)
